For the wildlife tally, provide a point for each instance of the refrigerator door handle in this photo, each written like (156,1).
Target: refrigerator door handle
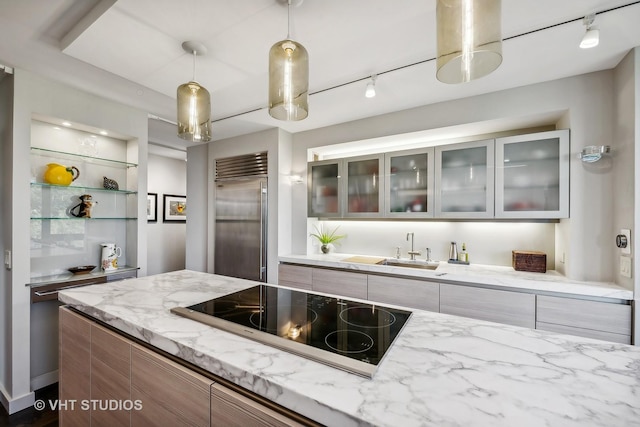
(263,231)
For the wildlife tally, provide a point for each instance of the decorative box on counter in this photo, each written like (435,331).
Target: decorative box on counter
(533,261)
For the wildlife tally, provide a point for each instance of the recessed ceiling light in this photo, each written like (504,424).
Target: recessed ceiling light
(93,136)
(104,132)
(67,124)
(56,128)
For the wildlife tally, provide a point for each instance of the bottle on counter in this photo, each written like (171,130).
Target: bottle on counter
(463,255)
(453,252)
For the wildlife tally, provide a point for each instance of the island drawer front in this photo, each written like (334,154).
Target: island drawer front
(404,292)
(595,315)
(231,409)
(581,332)
(295,276)
(511,308)
(110,375)
(170,393)
(341,283)
(75,366)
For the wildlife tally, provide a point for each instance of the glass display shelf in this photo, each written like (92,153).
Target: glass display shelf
(72,156)
(81,219)
(78,187)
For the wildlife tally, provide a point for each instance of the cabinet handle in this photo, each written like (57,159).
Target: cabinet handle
(55,291)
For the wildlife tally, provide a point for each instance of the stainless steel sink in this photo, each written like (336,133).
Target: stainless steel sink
(429,265)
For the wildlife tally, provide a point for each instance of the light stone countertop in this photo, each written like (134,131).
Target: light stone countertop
(474,274)
(441,371)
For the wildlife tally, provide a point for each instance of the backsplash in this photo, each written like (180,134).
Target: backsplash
(488,243)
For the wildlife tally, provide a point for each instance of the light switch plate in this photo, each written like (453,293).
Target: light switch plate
(7,259)
(627,250)
(625,266)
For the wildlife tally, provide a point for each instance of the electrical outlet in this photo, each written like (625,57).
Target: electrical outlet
(625,266)
(627,249)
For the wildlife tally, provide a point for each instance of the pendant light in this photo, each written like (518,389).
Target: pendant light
(288,78)
(194,103)
(469,34)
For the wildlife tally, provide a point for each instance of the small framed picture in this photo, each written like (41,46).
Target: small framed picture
(174,208)
(152,207)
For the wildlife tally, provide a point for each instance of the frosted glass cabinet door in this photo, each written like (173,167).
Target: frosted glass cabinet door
(324,188)
(532,175)
(363,195)
(465,180)
(409,183)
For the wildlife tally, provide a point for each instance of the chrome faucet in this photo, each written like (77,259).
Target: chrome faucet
(412,253)
(428,255)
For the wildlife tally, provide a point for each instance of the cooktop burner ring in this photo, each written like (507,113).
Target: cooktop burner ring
(309,310)
(366,341)
(390,317)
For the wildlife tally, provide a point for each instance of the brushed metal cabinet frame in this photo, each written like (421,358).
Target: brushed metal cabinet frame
(430,213)
(563,159)
(489,184)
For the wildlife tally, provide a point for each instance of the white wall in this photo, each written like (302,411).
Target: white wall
(624,133)
(35,95)
(197,194)
(587,103)
(166,244)
(626,158)
(382,237)
(6,131)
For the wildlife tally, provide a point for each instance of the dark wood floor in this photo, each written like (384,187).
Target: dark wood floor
(31,416)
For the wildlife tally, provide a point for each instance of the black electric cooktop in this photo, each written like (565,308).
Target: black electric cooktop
(349,335)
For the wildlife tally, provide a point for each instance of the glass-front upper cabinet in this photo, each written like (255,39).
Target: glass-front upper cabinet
(465,180)
(532,175)
(409,179)
(324,188)
(364,195)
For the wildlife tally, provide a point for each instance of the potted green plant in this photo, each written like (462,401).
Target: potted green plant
(326,237)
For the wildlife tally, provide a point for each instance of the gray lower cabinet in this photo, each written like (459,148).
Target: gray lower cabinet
(295,276)
(405,292)
(590,319)
(511,308)
(353,285)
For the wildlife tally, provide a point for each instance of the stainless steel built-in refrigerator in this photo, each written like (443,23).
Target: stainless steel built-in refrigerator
(241,228)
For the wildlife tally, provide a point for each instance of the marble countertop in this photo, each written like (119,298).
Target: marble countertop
(441,371)
(486,275)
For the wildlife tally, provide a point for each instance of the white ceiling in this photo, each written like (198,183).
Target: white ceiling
(130,51)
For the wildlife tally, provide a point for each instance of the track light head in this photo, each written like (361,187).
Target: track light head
(370,92)
(591,37)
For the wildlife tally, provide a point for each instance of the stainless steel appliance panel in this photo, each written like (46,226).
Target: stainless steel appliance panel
(241,229)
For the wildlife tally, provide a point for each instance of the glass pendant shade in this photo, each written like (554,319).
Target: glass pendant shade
(288,81)
(469,34)
(194,112)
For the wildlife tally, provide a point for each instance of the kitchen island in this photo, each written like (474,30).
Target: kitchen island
(441,370)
